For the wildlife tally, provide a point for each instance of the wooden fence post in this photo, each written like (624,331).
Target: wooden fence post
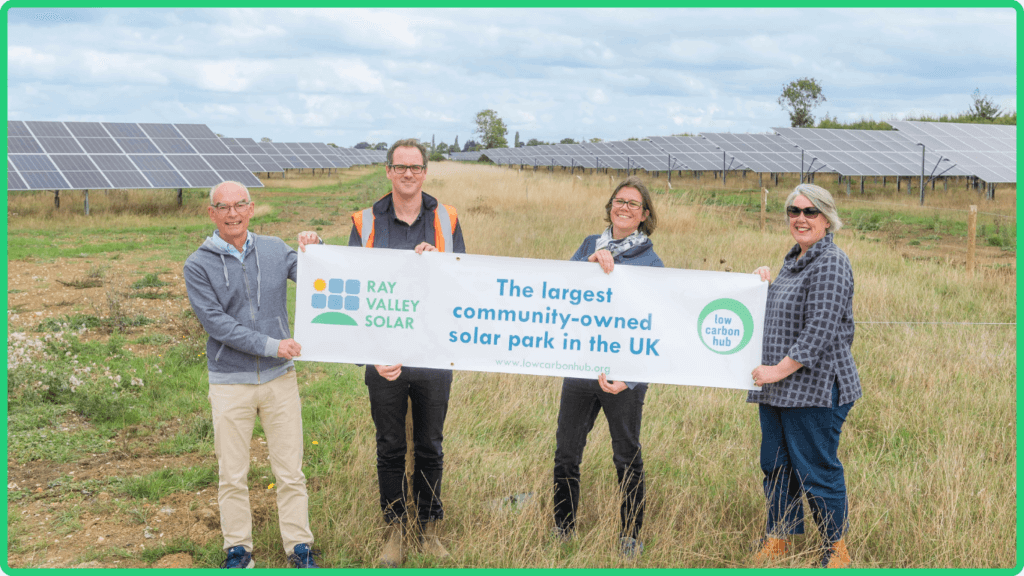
(972,229)
(764,206)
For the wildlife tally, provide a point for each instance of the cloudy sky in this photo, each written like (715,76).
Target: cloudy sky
(348,75)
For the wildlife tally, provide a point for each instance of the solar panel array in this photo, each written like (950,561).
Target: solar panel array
(765,152)
(696,153)
(104,155)
(868,152)
(110,155)
(984,150)
(659,153)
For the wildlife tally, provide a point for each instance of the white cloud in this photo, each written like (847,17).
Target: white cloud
(547,72)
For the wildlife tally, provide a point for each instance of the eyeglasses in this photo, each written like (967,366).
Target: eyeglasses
(633,204)
(225,208)
(414,168)
(810,212)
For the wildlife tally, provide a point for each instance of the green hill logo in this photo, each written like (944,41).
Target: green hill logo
(340,295)
(725,326)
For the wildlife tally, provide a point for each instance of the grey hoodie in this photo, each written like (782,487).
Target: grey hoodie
(243,307)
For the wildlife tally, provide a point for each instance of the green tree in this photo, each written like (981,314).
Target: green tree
(442,148)
(517,139)
(567,141)
(596,140)
(455,146)
(491,129)
(534,142)
(798,98)
(983,107)
(265,139)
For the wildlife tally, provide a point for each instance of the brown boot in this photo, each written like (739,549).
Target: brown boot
(392,554)
(770,549)
(430,544)
(836,555)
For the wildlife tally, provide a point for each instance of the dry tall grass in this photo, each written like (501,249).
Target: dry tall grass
(930,451)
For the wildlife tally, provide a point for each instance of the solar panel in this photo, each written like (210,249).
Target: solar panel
(606,155)
(291,160)
(23,145)
(16,128)
(14,182)
(120,171)
(103,155)
(93,138)
(765,152)
(331,155)
(196,131)
(80,172)
(984,150)
(271,152)
(249,148)
(865,152)
(692,153)
(38,172)
(474,156)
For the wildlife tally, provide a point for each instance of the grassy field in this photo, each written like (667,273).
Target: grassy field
(110,458)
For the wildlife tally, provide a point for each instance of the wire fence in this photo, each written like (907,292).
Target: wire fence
(858,322)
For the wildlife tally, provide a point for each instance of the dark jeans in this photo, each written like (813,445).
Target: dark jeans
(799,454)
(580,404)
(429,391)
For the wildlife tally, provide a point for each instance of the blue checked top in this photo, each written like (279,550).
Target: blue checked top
(809,317)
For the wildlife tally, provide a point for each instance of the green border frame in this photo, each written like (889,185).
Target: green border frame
(507,4)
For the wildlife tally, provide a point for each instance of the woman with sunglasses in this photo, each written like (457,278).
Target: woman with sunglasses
(808,380)
(626,241)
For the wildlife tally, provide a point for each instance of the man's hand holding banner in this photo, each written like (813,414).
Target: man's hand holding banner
(526,316)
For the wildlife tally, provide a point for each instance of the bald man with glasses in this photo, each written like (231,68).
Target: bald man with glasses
(407,219)
(237,284)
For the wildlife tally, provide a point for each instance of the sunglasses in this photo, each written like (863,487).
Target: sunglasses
(810,213)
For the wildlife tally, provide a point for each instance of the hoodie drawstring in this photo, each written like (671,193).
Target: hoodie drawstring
(259,276)
(225,265)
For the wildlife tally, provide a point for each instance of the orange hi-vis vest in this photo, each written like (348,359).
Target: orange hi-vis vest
(363,221)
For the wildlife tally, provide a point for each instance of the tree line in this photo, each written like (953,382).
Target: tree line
(799,98)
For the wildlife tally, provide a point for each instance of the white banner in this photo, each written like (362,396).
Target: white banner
(525,316)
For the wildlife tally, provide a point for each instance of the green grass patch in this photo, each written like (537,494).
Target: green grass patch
(81,283)
(54,444)
(151,280)
(209,556)
(163,482)
(155,339)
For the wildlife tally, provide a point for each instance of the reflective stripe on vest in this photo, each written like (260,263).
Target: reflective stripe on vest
(367,226)
(443,221)
(443,241)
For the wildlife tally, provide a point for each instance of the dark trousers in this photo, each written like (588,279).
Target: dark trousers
(799,455)
(429,391)
(580,404)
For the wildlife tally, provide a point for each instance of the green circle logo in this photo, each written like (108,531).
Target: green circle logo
(725,326)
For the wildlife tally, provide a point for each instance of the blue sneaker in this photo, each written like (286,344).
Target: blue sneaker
(302,556)
(238,557)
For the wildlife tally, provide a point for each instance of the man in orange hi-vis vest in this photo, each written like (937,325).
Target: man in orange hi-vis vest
(407,219)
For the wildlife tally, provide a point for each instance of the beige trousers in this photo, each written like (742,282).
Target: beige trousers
(235,407)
